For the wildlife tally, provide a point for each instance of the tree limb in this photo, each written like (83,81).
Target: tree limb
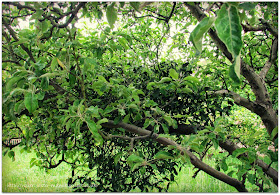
(12,32)
(270,28)
(263,102)
(237,99)
(231,147)
(194,160)
(273,57)
(74,13)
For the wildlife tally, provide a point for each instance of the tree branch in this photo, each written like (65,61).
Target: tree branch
(12,32)
(270,28)
(265,108)
(237,99)
(74,13)
(194,160)
(171,13)
(231,147)
(273,57)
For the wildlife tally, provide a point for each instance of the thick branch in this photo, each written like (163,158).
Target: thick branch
(194,160)
(265,108)
(231,147)
(241,101)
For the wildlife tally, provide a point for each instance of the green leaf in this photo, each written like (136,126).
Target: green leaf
(45,83)
(117,157)
(238,152)
(11,82)
(247,6)
(251,178)
(134,159)
(133,106)
(224,165)
(11,154)
(104,120)
(168,119)
(30,102)
(117,120)
(274,132)
(202,28)
(135,5)
(123,42)
(122,4)
(21,41)
(127,37)
(54,64)
(165,128)
(234,70)
(163,155)
(192,79)
(44,26)
(173,74)
(94,130)
(229,29)
(150,85)
(186,90)
(92,126)
(111,15)
(93,111)
(49,75)
(37,15)
(165,80)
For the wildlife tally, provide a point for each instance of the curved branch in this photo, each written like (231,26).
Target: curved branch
(238,99)
(264,107)
(194,160)
(74,13)
(273,57)
(270,28)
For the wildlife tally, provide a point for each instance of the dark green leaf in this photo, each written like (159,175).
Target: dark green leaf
(165,128)
(247,6)
(134,159)
(229,29)
(111,15)
(30,101)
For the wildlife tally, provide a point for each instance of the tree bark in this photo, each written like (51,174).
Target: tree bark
(263,105)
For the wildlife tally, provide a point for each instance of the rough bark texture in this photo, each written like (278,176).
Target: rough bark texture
(263,105)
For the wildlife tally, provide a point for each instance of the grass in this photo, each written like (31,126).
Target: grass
(17,176)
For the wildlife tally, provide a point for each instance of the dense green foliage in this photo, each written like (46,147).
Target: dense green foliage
(81,95)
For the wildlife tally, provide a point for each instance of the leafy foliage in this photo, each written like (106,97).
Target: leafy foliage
(76,95)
